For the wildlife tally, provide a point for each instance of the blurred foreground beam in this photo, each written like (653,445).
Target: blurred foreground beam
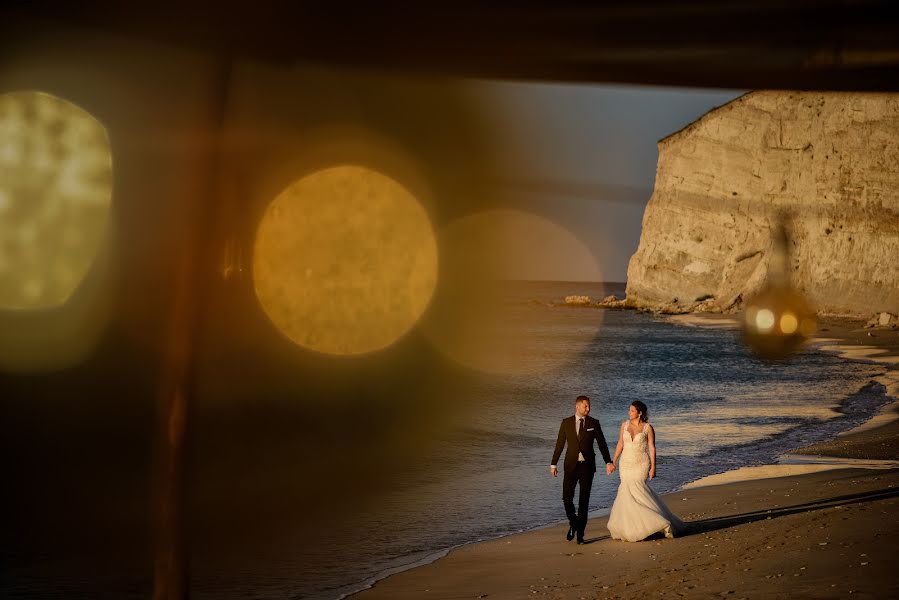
(177,376)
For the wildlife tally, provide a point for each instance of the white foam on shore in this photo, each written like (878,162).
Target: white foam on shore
(753,473)
(871,353)
(705,322)
(884,416)
(889,380)
(789,465)
(795,464)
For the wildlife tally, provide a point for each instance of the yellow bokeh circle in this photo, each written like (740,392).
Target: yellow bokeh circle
(475,322)
(345,261)
(55,198)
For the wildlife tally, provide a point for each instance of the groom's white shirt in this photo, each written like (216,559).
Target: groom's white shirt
(578,423)
(577,429)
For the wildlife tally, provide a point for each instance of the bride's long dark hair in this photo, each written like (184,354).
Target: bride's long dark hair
(641,408)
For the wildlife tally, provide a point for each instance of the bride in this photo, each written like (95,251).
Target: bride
(638,512)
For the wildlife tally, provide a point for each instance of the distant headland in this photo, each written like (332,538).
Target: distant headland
(828,160)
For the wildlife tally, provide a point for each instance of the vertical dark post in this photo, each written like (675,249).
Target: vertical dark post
(176,381)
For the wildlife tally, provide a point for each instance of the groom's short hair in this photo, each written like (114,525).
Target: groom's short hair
(581,398)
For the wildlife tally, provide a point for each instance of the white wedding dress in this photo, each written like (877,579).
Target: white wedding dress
(638,512)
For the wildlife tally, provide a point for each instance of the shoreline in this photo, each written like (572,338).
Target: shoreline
(825,465)
(846,337)
(794,537)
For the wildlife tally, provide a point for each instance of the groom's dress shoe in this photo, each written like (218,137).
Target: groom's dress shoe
(570,535)
(580,540)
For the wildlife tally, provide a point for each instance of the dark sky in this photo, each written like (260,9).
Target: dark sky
(584,156)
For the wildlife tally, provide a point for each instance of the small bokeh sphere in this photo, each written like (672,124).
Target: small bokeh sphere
(777,322)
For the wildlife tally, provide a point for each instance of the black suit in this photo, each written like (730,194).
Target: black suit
(579,472)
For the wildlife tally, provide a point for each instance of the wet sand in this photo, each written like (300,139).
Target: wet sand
(819,535)
(831,533)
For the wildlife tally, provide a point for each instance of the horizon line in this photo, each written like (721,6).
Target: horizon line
(563,281)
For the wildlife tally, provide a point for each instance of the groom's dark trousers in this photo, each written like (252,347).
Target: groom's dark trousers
(577,472)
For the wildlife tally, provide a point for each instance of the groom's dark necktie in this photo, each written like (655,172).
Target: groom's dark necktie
(580,429)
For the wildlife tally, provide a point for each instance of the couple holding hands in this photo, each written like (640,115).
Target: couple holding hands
(637,512)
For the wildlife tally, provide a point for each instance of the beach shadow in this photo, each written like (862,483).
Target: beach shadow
(597,539)
(716,523)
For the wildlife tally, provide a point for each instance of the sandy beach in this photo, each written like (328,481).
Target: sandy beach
(802,528)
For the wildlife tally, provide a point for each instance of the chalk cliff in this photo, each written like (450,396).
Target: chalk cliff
(830,159)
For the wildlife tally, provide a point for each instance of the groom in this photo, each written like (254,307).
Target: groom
(579,431)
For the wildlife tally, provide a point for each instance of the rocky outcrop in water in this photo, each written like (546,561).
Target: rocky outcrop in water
(831,160)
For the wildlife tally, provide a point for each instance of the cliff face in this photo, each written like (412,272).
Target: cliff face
(830,159)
